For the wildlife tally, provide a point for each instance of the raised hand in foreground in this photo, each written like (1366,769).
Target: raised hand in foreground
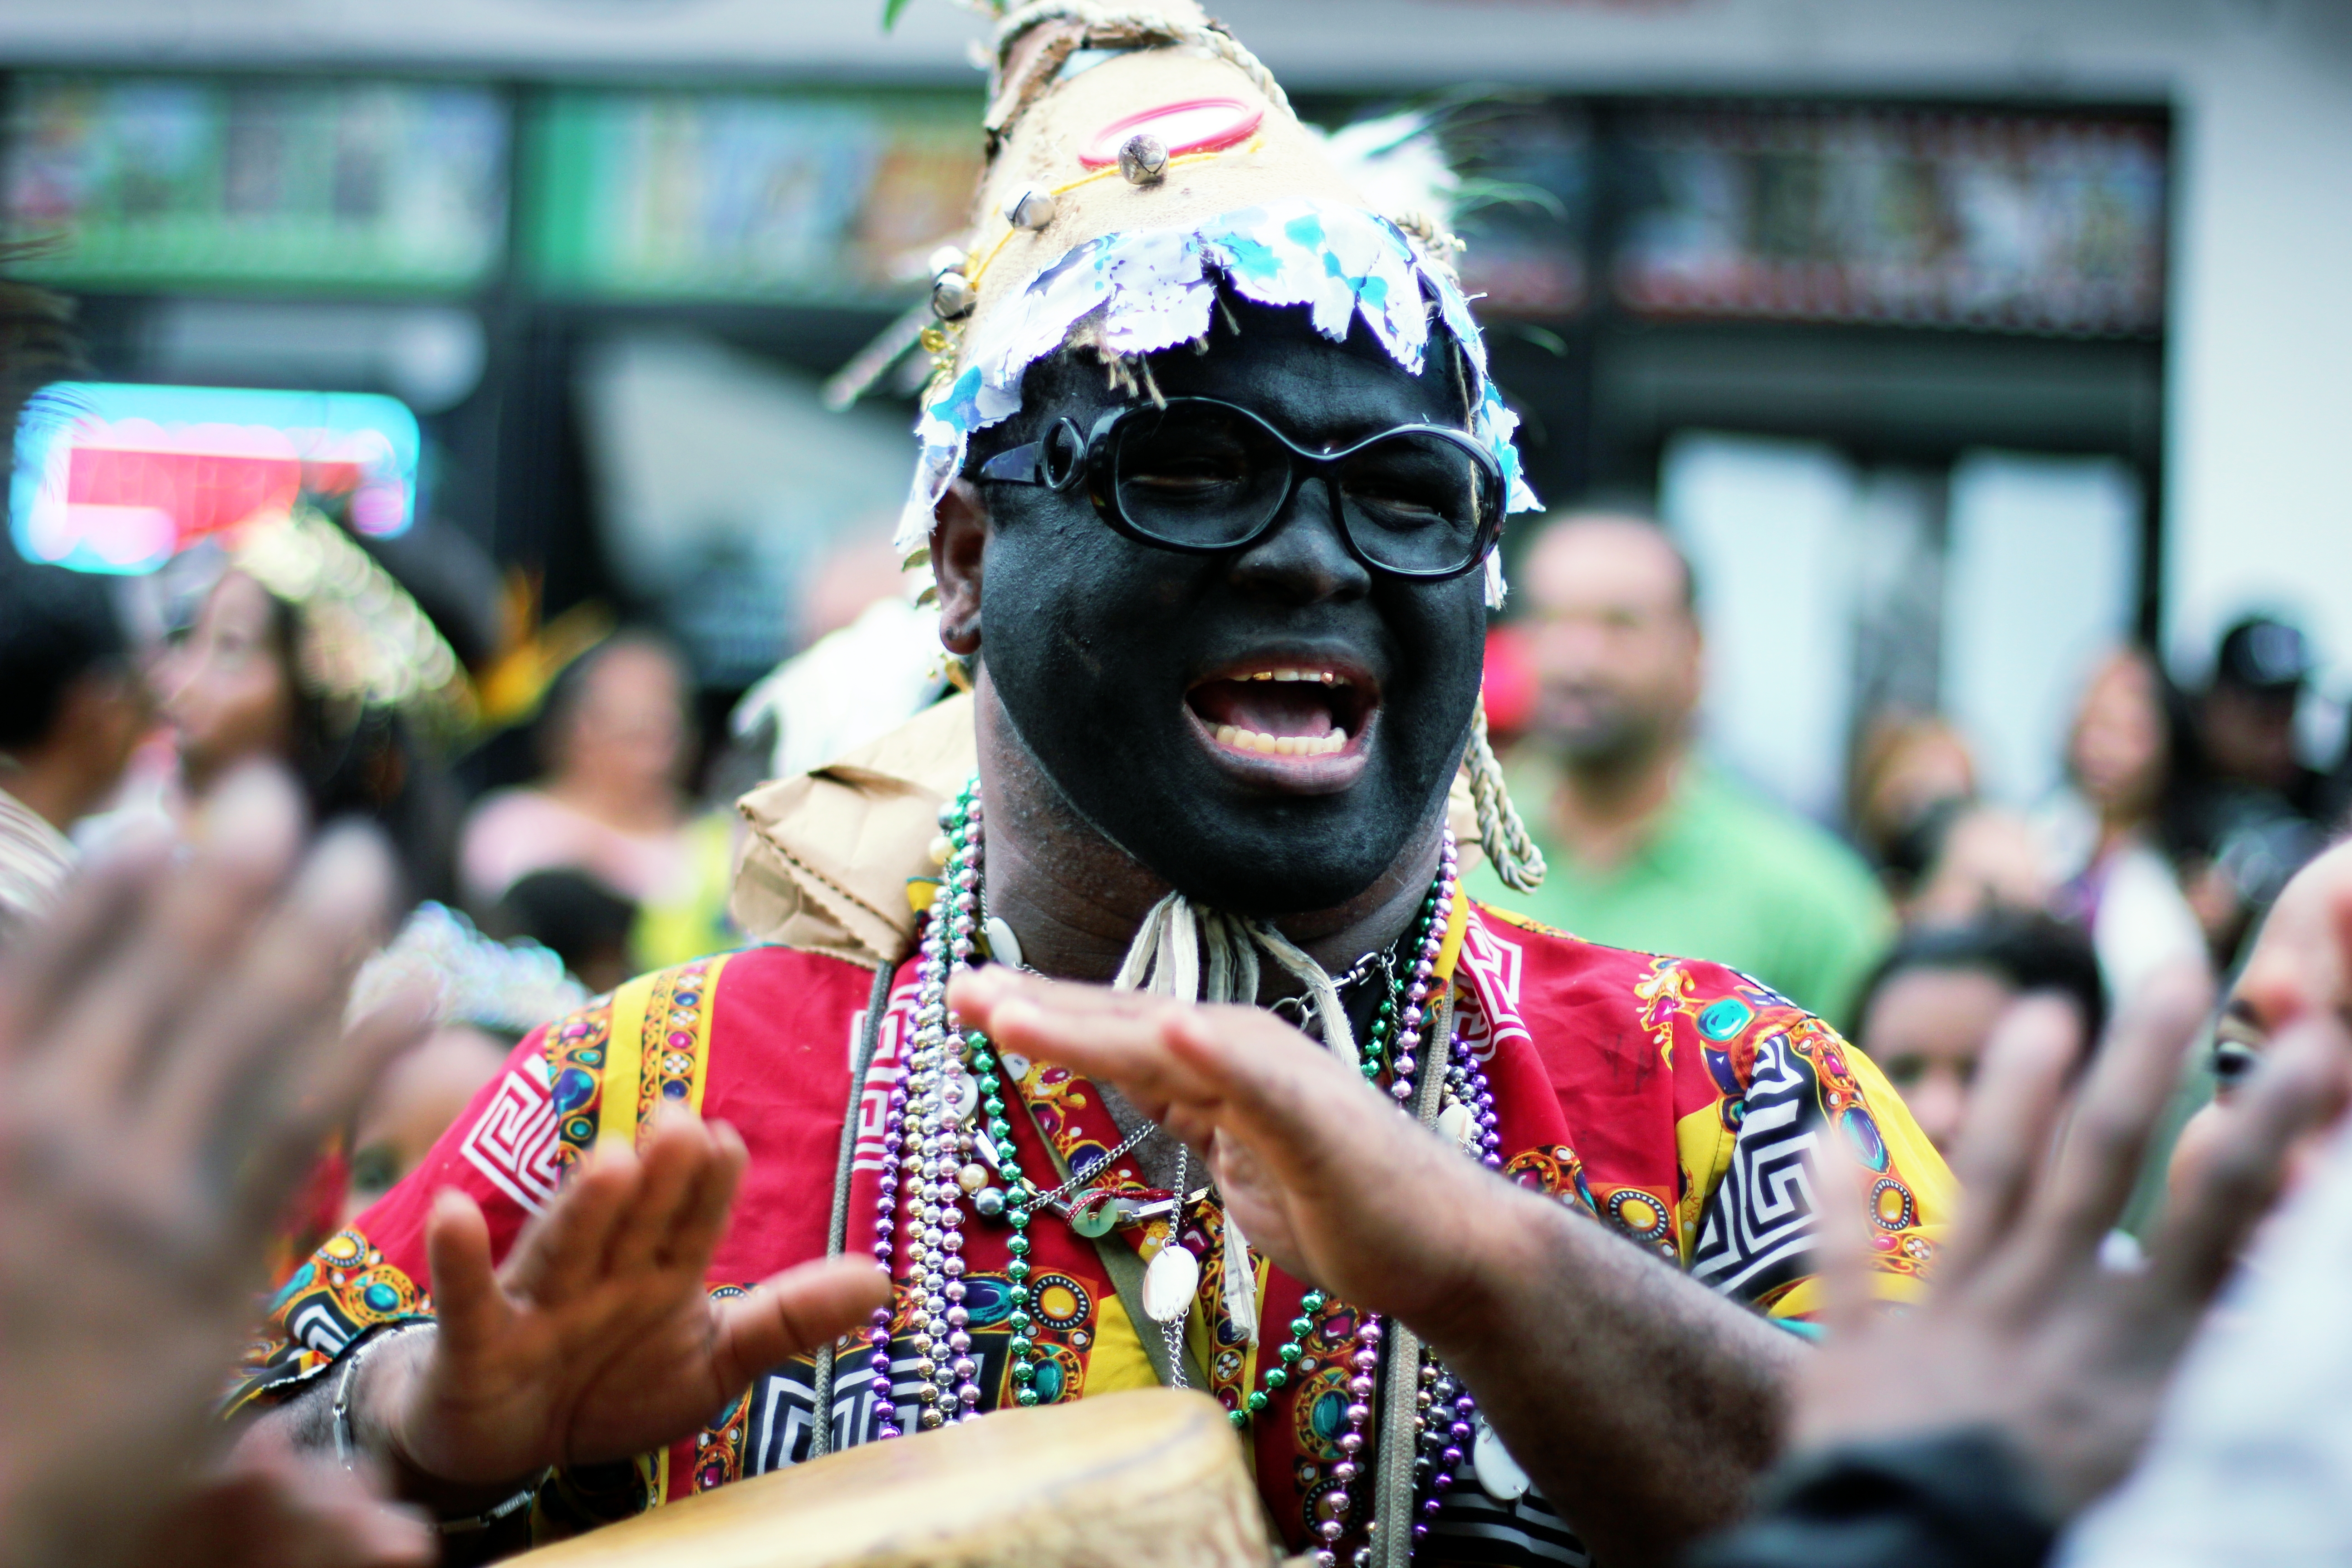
(1642,1404)
(172,1054)
(596,1339)
(2026,1384)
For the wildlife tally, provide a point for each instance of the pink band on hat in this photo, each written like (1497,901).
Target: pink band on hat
(1193,125)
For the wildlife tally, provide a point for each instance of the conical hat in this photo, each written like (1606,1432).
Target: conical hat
(1137,158)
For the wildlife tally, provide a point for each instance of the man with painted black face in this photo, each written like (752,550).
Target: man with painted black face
(1210,486)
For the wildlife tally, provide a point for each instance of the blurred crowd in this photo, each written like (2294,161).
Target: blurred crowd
(1916,921)
(573,826)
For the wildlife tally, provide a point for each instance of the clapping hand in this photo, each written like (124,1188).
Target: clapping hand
(2023,1331)
(597,1339)
(1325,1175)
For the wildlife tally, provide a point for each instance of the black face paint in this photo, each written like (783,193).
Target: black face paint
(1099,646)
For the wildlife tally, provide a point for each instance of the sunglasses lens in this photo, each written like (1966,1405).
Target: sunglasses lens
(1197,476)
(1417,502)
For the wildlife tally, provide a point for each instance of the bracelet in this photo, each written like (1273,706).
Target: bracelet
(346,1443)
(491,1516)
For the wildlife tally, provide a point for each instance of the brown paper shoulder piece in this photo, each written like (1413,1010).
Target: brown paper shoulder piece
(825,866)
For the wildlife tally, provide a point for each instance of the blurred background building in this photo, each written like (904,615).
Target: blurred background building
(1955,343)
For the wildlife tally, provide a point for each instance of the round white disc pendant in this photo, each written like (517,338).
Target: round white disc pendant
(1499,1476)
(1003,945)
(1170,1282)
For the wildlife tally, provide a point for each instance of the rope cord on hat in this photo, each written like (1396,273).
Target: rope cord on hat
(1501,832)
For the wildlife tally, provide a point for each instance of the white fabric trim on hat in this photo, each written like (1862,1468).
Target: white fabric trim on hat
(1155,289)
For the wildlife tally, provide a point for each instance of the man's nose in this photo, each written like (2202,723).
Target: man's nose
(1304,559)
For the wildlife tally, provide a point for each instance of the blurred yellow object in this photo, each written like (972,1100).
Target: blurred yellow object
(531,656)
(691,921)
(1151,1479)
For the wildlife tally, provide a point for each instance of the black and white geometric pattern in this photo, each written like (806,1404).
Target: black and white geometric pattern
(1756,1229)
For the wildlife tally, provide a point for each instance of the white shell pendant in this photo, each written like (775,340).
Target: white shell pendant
(1499,1476)
(1003,945)
(1453,1123)
(1169,1281)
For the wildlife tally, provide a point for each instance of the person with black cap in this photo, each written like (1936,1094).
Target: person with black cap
(2247,718)
(2259,809)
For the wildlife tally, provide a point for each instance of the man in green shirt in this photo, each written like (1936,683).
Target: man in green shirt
(1648,846)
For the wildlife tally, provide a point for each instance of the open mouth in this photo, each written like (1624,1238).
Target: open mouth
(1283,712)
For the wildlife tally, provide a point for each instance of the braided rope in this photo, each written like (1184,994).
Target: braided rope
(1097,19)
(1501,834)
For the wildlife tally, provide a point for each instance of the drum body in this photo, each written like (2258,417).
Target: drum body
(1152,1479)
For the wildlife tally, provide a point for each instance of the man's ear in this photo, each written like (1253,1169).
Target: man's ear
(959,541)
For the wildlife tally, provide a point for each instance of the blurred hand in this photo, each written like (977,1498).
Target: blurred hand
(269,1507)
(598,1339)
(1324,1174)
(172,1055)
(2022,1329)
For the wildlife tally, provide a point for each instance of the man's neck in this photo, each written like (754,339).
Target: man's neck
(1076,900)
(1604,808)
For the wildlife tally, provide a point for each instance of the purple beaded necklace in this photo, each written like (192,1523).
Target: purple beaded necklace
(929,1139)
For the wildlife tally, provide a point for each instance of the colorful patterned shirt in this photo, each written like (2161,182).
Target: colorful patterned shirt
(1670,1101)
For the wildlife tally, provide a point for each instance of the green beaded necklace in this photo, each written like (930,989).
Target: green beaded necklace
(1022,1194)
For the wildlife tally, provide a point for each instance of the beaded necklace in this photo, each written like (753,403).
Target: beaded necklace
(946,1127)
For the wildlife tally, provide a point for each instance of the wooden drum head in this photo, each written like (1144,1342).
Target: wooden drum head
(1151,1478)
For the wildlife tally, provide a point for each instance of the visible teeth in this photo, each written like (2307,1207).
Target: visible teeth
(1310,677)
(1282,745)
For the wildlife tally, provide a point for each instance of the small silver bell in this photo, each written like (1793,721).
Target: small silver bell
(945,259)
(1143,159)
(952,297)
(1030,208)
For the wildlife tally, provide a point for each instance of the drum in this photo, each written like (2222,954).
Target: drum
(1150,1479)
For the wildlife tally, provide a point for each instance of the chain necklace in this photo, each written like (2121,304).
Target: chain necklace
(945,1126)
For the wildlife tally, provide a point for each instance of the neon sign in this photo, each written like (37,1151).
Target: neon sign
(116,478)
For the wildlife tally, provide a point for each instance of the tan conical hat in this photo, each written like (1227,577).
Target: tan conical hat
(1140,157)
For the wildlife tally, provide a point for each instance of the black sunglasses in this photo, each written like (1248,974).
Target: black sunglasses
(1200,474)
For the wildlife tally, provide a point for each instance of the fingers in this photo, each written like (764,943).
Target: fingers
(2021,1090)
(687,1170)
(282,1155)
(1118,1036)
(272,1508)
(2130,1082)
(181,940)
(1841,1253)
(793,1313)
(563,1252)
(238,1073)
(47,961)
(701,1220)
(1313,1124)
(2302,1086)
(467,1300)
